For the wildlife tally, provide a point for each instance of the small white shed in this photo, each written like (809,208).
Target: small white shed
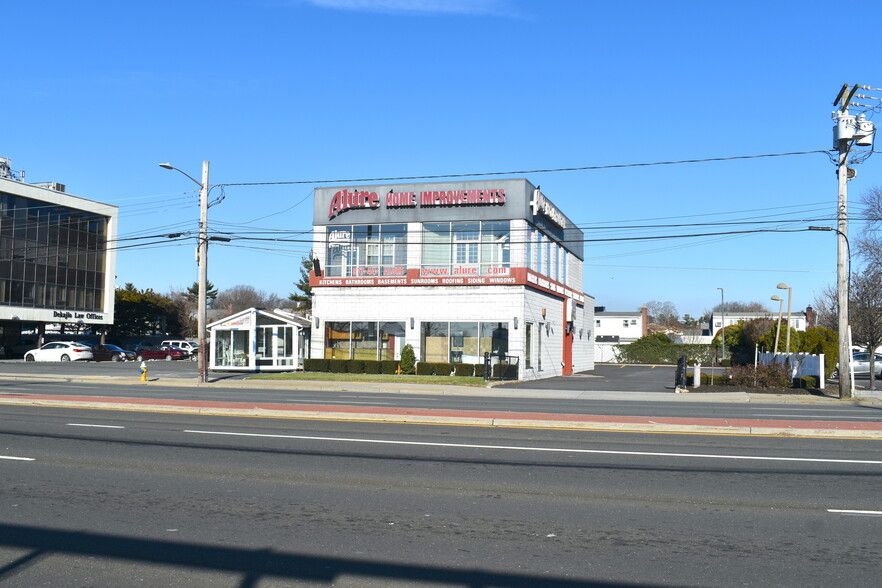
(257,340)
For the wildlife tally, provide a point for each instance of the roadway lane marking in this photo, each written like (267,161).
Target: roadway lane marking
(345,402)
(96,426)
(545,449)
(819,417)
(13,458)
(871,513)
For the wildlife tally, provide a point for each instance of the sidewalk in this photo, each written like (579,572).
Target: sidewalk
(717,426)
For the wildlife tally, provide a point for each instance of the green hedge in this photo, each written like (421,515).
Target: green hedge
(338,366)
(389,366)
(479,370)
(315,365)
(355,366)
(372,366)
(464,369)
(429,368)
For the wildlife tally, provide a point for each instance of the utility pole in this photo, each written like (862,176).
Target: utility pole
(849,131)
(202,261)
(202,311)
(843,134)
(723,334)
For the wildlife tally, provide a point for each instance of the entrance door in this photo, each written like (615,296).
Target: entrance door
(568,329)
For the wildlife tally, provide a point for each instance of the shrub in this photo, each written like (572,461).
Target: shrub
(464,369)
(806,382)
(479,370)
(389,366)
(763,376)
(423,368)
(338,366)
(372,366)
(657,348)
(355,366)
(408,359)
(315,365)
(443,369)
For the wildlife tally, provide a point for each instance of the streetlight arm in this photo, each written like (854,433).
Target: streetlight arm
(170,166)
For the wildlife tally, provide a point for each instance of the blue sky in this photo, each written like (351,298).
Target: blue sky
(97,93)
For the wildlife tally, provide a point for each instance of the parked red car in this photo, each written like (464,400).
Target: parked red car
(166,352)
(111,353)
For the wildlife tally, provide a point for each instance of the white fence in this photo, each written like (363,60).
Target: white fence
(801,364)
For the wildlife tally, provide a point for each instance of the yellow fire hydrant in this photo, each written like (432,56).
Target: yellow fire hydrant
(143,371)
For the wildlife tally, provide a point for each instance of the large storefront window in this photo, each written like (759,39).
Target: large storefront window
(466,248)
(462,342)
(232,348)
(364,340)
(50,256)
(391,339)
(367,251)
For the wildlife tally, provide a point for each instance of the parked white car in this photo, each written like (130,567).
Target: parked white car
(60,351)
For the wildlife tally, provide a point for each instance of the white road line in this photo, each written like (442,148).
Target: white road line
(866,417)
(871,513)
(13,458)
(96,426)
(793,408)
(345,402)
(542,449)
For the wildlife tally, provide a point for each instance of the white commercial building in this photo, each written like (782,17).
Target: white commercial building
(455,269)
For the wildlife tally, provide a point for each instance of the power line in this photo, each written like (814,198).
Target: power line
(530,171)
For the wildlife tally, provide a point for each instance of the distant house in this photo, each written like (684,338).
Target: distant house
(612,328)
(799,320)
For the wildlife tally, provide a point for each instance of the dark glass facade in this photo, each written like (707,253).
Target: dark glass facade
(51,256)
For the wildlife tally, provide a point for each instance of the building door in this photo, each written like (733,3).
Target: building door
(567,359)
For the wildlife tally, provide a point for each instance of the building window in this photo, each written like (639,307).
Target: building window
(466,248)
(367,340)
(530,262)
(433,342)
(528,345)
(366,250)
(45,245)
(462,342)
(391,340)
(337,342)
(625,323)
(539,348)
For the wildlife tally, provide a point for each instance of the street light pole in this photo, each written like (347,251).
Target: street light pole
(202,254)
(723,334)
(780,310)
(783,286)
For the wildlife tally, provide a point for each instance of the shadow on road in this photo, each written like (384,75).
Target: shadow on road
(252,564)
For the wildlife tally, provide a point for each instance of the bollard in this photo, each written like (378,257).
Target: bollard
(696,375)
(143,371)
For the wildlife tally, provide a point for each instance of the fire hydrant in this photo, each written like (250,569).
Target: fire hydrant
(143,371)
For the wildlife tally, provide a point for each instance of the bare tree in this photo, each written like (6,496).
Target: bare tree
(240,297)
(826,307)
(865,312)
(661,313)
(868,244)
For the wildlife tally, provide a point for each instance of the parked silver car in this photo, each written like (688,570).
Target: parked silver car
(860,362)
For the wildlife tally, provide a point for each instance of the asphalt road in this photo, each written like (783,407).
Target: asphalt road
(156,500)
